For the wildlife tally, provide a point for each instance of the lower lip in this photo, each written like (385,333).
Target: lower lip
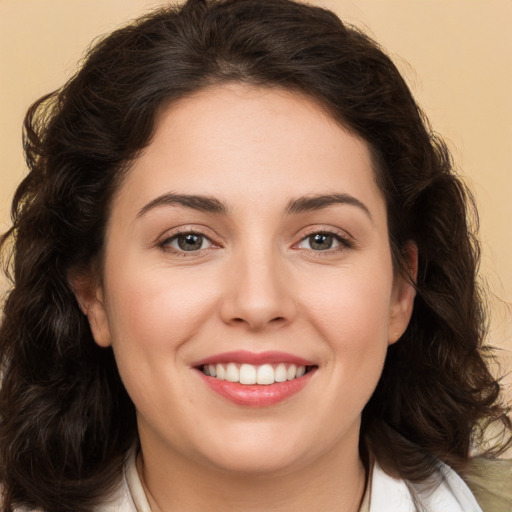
(255,395)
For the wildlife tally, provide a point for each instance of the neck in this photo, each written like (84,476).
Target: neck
(333,482)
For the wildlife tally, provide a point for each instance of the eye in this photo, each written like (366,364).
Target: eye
(322,242)
(187,242)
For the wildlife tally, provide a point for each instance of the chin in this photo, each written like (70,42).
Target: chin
(254,453)
(253,464)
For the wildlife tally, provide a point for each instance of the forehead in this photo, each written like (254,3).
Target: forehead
(249,143)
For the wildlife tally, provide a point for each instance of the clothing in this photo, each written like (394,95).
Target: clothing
(383,494)
(389,494)
(490,482)
(129,495)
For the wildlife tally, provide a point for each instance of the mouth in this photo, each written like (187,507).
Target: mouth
(255,380)
(250,374)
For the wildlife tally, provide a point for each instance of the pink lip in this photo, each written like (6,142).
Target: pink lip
(244,356)
(256,395)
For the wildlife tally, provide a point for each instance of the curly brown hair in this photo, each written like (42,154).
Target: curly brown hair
(66,421)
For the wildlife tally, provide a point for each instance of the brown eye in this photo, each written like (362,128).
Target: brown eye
(188,242)
(323,241)
(320,241)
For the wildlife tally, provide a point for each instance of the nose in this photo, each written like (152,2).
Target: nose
(258,292)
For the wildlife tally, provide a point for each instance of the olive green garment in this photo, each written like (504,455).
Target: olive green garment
(490,481)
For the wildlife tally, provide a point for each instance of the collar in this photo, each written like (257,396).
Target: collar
(388,494)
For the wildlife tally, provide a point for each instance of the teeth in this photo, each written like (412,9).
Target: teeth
(280,373)
(249,374)
(266,374)
(220,372)
(232,373)
(292,371)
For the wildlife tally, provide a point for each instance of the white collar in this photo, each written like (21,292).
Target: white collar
(389,494)
(129,496)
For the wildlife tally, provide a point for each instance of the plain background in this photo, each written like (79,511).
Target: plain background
(455,54)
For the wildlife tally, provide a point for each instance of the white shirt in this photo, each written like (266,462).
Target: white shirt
(388,494)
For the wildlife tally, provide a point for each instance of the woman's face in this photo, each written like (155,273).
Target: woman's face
(249,241)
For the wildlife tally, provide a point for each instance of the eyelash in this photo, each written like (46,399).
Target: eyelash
(165,244)
(343,241)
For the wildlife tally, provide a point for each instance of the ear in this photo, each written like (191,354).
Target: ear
(90,297)
(402,300)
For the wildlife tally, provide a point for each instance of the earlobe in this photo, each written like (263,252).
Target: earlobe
(98,320)
(90,298)
(404,292)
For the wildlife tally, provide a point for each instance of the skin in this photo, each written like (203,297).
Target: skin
(255,284)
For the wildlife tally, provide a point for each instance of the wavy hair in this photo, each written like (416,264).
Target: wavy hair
(66,421)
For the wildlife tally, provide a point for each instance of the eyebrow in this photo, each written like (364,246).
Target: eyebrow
(213,205)
(196,202)
(318,202)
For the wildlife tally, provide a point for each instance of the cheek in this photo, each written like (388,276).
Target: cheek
(157,309)
(352,306)
(152,317)
(351,311)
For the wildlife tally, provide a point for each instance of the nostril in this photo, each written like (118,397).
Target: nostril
(277,319)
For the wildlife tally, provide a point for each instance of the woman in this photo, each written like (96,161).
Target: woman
(243,278)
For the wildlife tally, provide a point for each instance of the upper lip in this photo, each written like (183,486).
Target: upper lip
(254,358)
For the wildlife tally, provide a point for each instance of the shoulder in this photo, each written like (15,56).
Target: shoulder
(490,480)
(129,496)
(126,496)
(389,494)
(119,500)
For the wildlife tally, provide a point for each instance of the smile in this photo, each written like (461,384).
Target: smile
(247,374)
(255,379)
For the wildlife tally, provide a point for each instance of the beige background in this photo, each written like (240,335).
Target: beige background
(456,55)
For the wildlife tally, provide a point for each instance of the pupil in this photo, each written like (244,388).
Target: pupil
(190,242)
(320,241)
